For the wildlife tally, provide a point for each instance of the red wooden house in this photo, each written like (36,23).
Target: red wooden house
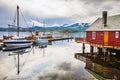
(104,32)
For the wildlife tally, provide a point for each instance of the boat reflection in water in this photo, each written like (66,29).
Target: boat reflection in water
(42,41)
(101,69)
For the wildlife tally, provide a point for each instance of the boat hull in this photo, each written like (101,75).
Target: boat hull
(17,43)
(13,48)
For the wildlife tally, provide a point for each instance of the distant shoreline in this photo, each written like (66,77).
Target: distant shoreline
(16,31)
(61,31)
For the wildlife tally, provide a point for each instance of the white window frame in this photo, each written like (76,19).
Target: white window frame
(116,34)
(93,35)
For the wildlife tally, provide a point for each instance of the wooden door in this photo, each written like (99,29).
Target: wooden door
(106,38)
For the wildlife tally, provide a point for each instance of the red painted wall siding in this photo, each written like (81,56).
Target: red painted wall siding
(88,36)
(117,40)
(112,40)
(99,37)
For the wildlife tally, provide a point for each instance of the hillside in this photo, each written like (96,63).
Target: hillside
(72,28)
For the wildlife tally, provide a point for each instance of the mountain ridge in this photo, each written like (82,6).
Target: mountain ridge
(72,27)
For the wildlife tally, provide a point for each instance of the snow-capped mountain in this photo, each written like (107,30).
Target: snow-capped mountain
(72,27)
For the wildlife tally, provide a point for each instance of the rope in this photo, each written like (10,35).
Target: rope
(25,61)
(24,19)
(13,23)
(14,19)
(33,49)
(26,23)
(15,61)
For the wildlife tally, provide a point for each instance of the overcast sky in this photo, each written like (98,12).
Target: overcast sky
(57,12)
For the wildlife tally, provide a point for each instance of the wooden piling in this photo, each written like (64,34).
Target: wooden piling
(91,49)
(83,48)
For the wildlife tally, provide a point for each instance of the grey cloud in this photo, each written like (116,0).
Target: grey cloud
(107,4)
(64,71)
(95,2)
(65,66)
(68,0)
(77,10)
(108,7)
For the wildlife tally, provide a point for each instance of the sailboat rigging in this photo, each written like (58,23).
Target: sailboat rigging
(17,43)
(42,40)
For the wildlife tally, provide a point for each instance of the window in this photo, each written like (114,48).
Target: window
(93,35)
(116,34)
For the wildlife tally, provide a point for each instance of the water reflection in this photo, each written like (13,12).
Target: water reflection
(100,65)
(56,62)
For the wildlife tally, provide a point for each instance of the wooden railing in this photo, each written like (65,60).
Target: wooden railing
(78,40)
(117,44)
(114,44)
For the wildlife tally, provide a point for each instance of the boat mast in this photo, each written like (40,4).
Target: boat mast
(18,71)
(43,27)
(17,21)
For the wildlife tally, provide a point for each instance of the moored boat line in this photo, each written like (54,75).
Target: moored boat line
(13,43)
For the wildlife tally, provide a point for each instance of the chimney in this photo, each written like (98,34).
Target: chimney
(104,18)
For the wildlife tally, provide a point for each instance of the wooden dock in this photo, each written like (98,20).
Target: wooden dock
(59,38)
(107,67)
(50,40)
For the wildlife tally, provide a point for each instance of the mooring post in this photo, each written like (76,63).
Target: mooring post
(100,52)
(68,37)
(91,49)
(18,71)
(83,48)
(109,54)
(50,42)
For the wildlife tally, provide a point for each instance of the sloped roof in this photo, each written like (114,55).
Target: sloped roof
(113,23)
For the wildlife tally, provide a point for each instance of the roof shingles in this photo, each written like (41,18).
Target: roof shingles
(113,23)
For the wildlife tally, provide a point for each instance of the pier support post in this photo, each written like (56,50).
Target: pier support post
(118,53)
(91,49)
(100,52)
(83,48)
(49,42)
(109,54)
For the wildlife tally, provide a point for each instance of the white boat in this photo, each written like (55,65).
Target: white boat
(17,42)
(42,41)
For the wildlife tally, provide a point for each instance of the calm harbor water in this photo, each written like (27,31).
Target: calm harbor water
(56,62)
(54,34)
